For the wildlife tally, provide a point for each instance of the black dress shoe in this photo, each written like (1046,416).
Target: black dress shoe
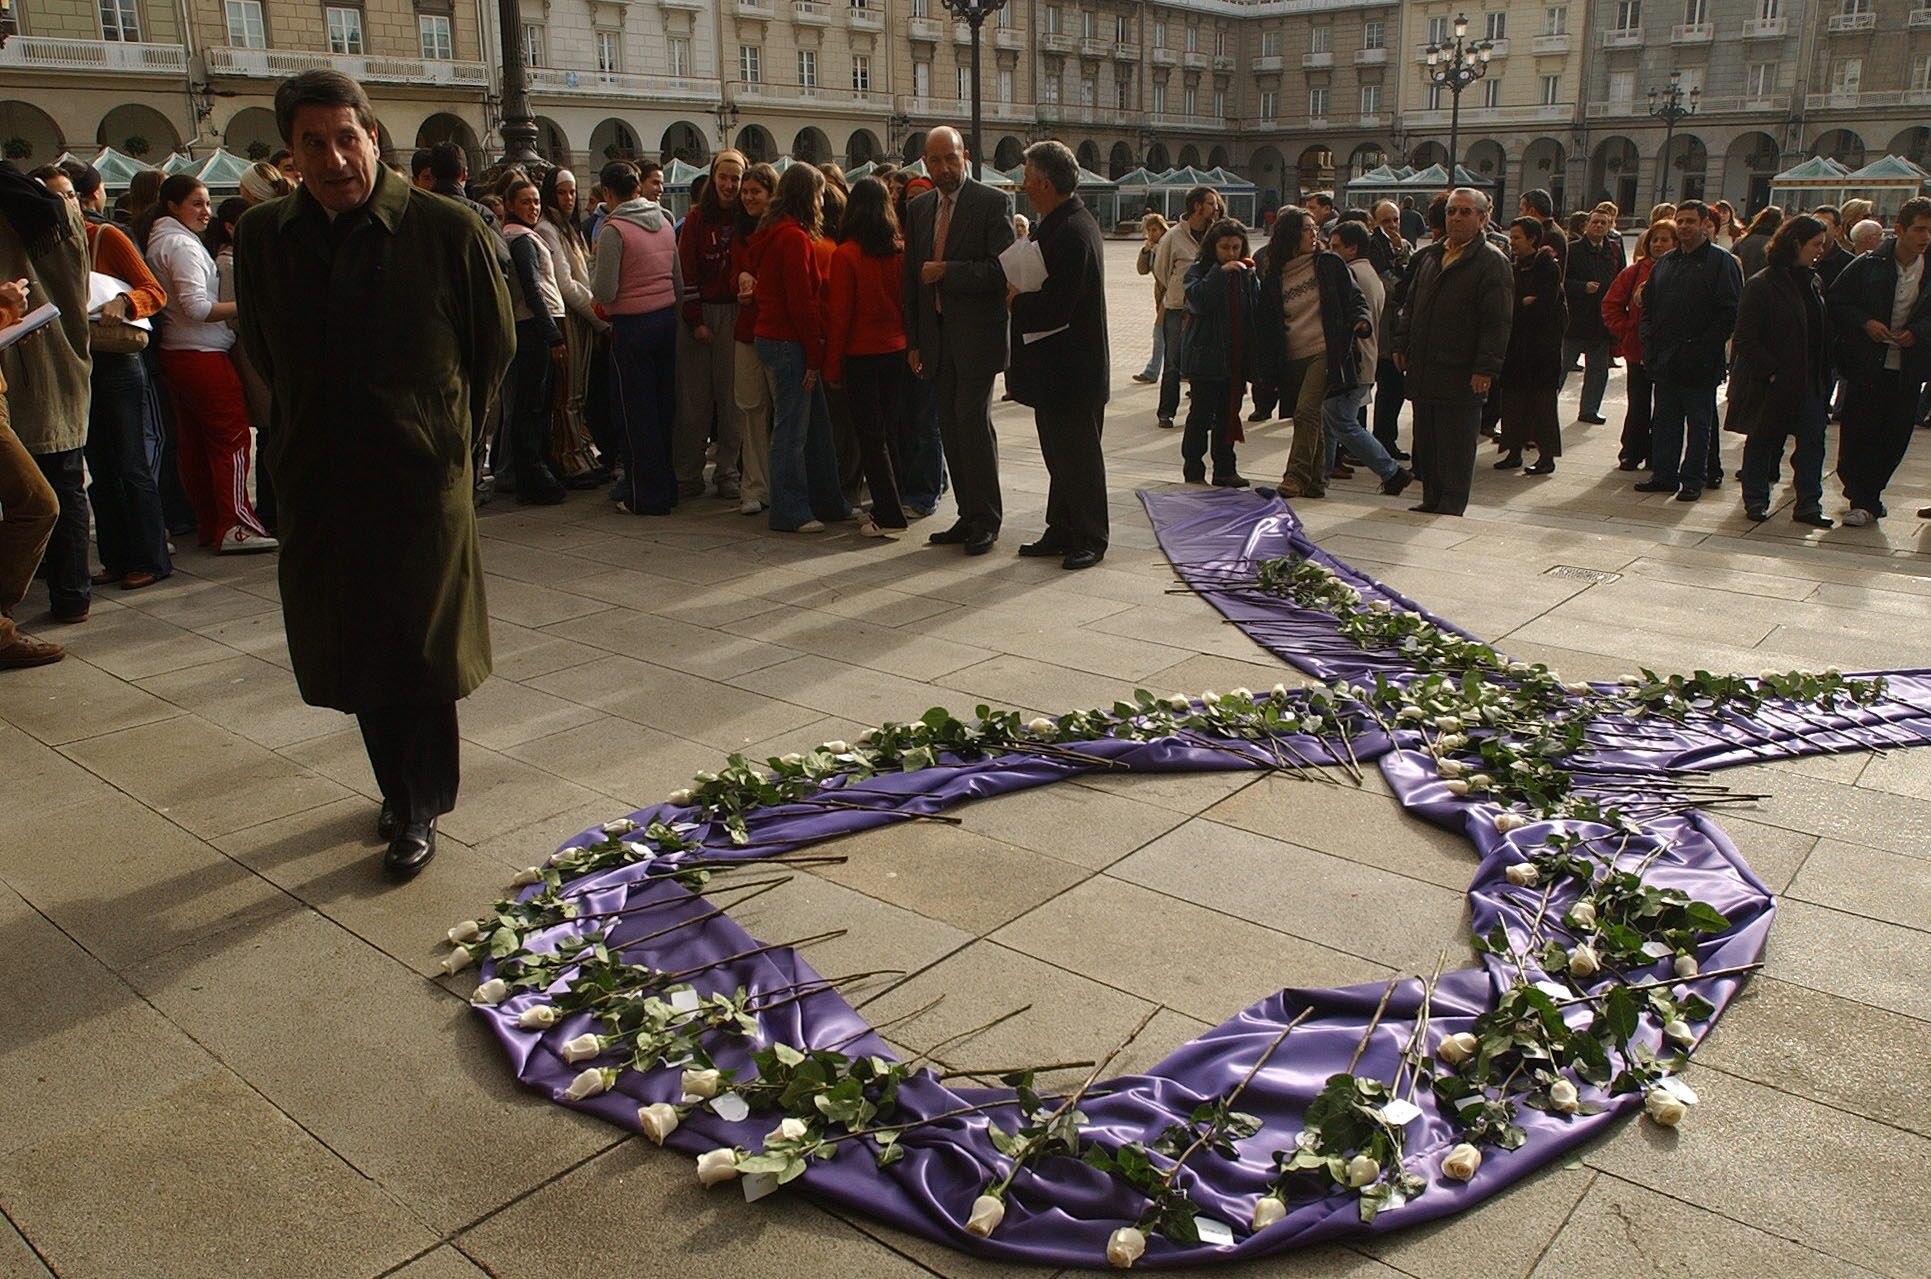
(1193,477)
(1688,495)
(1231,480)
(1399,456)
(980,543)
(1400,480)
(414,844)
(1592,421)
(1627,465)
(957,535)
(1042,549)
(1656,486)
(1543,466)
(1816,519)
(1758,514)
(1716,481)
(1082,559)
(1510,461)
(1425,509)
(385,822)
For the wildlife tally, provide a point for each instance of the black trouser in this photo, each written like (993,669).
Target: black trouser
(1530,420)
(1211,405)
(1390,389)
(1637,416)
(530,422)
(1069,441)
(65,564)
(415,754)
(265,507)
(1879,411)
(1595,353)
(971,445)
(1763,453)
(120,450)
(875,391)
(1445,436)
(1267,397)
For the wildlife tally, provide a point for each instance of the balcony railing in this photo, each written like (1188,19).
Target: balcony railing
(684,4)
(1550,44)
(48,53)
(550,81)
(278,64)
(1920,17)
(1851,22)
(926,29)
(1267,62)
(1125,51)
(757,8)
(1317,61)
(1370,120)
(821,97)
(1193,122)
(811,13)
(1553,113)
(1878,98)
(958,109)
(1066,113)
(1009,38)
(1693,33)
(1371,57)
(1765,28)
(1752,104)
(1222,61)
(1058,42)
(1095,47)
(863,17)
(1621,38)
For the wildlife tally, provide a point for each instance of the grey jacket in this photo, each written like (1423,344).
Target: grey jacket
(972,330)
(1454,323)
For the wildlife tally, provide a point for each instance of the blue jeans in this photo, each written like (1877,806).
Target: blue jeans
(1763,453)
(1170,324)
(804,462)
(921,478)
(1680,434)
(1152,371)
(121,443)
(1341,415)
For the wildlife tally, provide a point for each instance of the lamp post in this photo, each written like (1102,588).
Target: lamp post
(519,122)
(1454,66)
(1670,105)
(974,13)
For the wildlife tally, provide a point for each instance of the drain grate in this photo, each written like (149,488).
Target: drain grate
(1581,574)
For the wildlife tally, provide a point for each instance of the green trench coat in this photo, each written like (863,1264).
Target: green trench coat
(383,340)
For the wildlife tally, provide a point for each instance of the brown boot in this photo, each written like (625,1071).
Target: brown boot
(26,652)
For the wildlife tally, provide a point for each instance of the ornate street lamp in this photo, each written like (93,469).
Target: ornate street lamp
(1670,105)
(519,121)
(974,13)
(1454,66)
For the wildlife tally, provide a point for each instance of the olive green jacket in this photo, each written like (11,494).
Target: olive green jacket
(383,337)
(48,376)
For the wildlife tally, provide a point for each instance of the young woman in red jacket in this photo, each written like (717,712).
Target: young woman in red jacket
(790,338)
(865,342)
(1622,312)
(749,389)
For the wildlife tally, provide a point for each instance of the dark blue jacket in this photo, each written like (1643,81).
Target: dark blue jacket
(1216,301)
(1689,312)
(1864,291)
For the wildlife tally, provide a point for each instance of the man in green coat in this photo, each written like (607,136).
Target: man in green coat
(378,316)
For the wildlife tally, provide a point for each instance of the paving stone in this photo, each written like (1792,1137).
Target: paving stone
(719,715)
(1773,854)
(38,778)
(202,1180)
(1868,882)
(260,635)
(852,692)
(526,604)
(879,935)
(502,713)
(1861,959)
(248,696)
(17,1260)
(519,653)
(1901,772)
(303,1011)
(1191,959)
(924,652)
(444,1263)
(696,650)
(1078,824)
(1037,634)
(1363,824)
(531,564)
(131,644)
(688,1231)
(632,764)
(1029,684)
(1499,1240)
(1654,1235)
(72,699)
(1188,793)
(1899,824)
(944,873)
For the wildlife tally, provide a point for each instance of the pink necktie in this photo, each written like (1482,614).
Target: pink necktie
(939,230)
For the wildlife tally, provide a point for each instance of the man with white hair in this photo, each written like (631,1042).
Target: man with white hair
(1867,235)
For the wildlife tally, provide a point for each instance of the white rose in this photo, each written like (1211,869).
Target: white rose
(1630,681)
(583,1048)
(682,797)
(791,758)
(1125,1247)
(790,1128)
(1279,690)
(987,1212)
(1456,787)
(490,993)
(1520,668)
(1456,1049)
(699,1084)
(1523,875)
(1410,714)
(1678,1031)
(619,826)
(1268,1209)
(1578,688)
(1563,1097)
(1583,914)
(537,1017)
(1451,768)
(1769,675)
(717,1165)
(658,1121)
(837,748)
(467,931)
(1583,961)
(1381,606)
(1506,822)
(1448,723)
(588,1084)
(869,736)
(1832,672)
(456,960)
(1363,1171)
(1686,967)
(527,876)
(1481,781)
(1180,703)
(705,779)
(1461,1162)
(1039,726)
(1453,741)
(1665,1107)
(1210,697)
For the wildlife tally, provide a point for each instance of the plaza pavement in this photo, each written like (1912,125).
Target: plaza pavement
(225,1055)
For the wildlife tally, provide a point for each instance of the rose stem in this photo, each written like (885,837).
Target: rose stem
(818,988)
(763,886)
(950,1040)
(1239,1088)
(1660,982)
(993,1072)
(1373,1022)
(883,1026)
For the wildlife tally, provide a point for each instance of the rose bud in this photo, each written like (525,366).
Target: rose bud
(1481,781)
(537,1017)
(1410,714)
(1583,961)
(1578,688)
(699,1084)
(1686,966)
(1448,723)
(1180,703)
(1125,1247)
(619,826)
(1769,675)
(527,876)
(490,993)
(1451,768)
(588,1084)
(987,1212)
(681,798)
(1363,1171)
(705,779)
(1563,1097)
(1039,726)
(467,931)
(1381,606)
(1460,1163)
(1280,690)
(583,1048)
(1677,1030)
(658,1121)
(836,747)
(717,1165)
(1456,787)
(1245,694)
(791,758)
(788,1129)
(1268,1209)
(1583,914)
(1665,1107)
(457,960)
(1210,697)
(1506,822)
(1456,1049)
(1523,875)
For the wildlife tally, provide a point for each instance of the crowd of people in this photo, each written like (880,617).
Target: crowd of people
(1810,318)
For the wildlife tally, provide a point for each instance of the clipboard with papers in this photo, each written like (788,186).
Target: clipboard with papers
(1025,269)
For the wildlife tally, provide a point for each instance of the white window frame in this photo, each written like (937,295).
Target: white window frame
(344,26)
(751,63)
(807,68)
(861,73)
(437,35)
(120,21)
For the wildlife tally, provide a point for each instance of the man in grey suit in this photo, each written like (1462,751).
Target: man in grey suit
(955,320)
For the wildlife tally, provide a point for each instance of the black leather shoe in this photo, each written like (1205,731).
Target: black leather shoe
(414,844)
(1425,509)
(1400,480)
(980,543)
(1627,465)
(1042,549)
(385,822)
(1758,514)
(1082,559)
(1655,486)
(954,536)
(1715,482)
(1510,461)
(1688,495)
(1816,519)
(1543,466)
(1592,421)
(1230,481)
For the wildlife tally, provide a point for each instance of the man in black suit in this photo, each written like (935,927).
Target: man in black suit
(955,326)
(1059,358)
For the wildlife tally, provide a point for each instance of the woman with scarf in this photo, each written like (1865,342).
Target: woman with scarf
(1532,369)
(1622,314)
(1780,378)
(1216,352)
(572,454)
(539,344)
(635,278)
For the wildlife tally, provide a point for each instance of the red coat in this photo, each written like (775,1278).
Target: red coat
(867,307)
(1622,309)
(704,251)
(791,290)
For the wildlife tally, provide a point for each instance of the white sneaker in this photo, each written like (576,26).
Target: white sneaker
(810,526)
(1858,517)
(868,527)
(240,541)
(750,506)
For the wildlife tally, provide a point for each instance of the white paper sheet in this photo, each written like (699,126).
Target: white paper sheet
(32,322)
(102,289)
(1024,265)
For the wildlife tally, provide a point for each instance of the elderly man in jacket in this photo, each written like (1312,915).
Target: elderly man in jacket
(1880,308)
(382,377)
(1689,312)
(1059,358)
(1450,337)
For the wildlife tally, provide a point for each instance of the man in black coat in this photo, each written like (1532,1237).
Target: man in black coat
(1593,264)
(1880,309)
(1059,363)
(1689,312)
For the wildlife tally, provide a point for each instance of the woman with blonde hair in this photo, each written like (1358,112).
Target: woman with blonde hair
(1154,227)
